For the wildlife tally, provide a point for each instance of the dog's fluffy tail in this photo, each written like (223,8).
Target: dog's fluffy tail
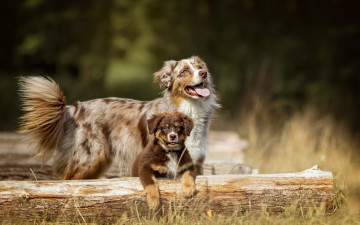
(44,105)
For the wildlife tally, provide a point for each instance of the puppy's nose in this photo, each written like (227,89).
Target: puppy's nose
(172,136)
(203,74)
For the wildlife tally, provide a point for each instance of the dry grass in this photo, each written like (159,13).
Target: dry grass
(301,141)
(316,216)
(278,146)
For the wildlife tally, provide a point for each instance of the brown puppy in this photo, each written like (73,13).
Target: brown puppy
(166,155)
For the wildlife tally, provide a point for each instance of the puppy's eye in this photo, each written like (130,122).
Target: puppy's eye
(200,67)
(180,128)
(165,128)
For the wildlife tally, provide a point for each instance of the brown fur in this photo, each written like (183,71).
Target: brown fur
(153,161)
(152,194)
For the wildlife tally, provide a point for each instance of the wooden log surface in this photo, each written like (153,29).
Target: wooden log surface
(110,198)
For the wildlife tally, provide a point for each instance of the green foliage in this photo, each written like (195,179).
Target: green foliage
(289,53)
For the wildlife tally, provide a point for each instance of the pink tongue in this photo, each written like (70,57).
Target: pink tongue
(202,92)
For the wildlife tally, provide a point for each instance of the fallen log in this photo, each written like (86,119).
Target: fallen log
(20,171)
(112,198)
(225,157)
(26,167)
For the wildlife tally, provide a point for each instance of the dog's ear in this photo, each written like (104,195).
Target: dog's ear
(198,60)
(165,76)
(153,123)
(188,124)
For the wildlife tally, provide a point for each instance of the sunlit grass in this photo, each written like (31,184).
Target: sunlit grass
(292,215)
(301,141)
(287,144)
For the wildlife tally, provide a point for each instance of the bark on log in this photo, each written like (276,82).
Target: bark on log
(109,199)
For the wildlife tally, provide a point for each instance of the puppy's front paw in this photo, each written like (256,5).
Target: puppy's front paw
(152,197)
(153,201)
(188,184)
(188,191)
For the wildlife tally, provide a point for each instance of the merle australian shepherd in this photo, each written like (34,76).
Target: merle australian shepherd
(87,136)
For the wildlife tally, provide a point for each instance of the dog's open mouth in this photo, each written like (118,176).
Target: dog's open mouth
(172,143)
(197,90)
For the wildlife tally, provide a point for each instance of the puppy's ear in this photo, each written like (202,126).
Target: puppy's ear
(165,76)
(188,125)
(153,123)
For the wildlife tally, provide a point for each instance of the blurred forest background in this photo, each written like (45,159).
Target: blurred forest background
(288,54)
(287,72)
(278,58)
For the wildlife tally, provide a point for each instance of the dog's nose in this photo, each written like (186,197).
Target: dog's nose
(203,74)
(172,136)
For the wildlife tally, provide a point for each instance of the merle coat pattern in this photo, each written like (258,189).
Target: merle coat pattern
(87,137)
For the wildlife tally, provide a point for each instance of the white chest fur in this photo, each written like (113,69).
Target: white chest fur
(172,164)
(199,111)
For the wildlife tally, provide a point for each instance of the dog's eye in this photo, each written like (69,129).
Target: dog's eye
(180,128)
(165,128)
(200,67)
(184,71)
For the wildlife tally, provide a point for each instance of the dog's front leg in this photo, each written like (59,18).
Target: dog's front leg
(200,166)
(148,181)
(188,182)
